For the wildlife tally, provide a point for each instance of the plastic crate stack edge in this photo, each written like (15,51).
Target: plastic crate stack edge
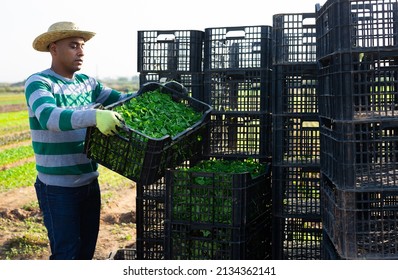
(164,55)
(237,84)
(357,51)
(297,226)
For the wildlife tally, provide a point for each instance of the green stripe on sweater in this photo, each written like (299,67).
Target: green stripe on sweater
(58,148)
(68,170)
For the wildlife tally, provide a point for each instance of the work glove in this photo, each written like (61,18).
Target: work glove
(107,121)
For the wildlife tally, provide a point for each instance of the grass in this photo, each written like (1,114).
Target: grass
(9,121)
(33,205)
(19,176)
(26,247)
(111,179)
(12,98)
(119,230)
(29,239)
(25,175)
(14,127)
(15,154)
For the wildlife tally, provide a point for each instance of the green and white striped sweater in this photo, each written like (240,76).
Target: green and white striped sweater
(60,110)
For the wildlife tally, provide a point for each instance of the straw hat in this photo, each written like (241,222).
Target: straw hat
(58,31)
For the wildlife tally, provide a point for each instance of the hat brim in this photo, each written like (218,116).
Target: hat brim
(42,41)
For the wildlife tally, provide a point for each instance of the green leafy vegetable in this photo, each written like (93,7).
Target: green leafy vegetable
(156,114)
(228,166)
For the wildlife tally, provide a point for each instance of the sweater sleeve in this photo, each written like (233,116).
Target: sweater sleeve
(107,96)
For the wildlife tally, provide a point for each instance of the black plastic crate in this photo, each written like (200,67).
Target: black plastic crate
(150,249)
(193,82)
(294,88)
(187,241)
(296,191)
(170,50)
(296,140)
(358,85)
(218,215)
(243,91)
(328,250)
(239,136)
(125,254)
(150,220)
(362,224)
(144,159)
(294,38)
(360,155)
(231,199)
(237,47)
(150,224)
(296,238)
(345,25)
(151,216)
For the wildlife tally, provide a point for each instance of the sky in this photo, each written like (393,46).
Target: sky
(112,53)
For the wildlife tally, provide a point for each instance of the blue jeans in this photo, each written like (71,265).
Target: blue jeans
(72,218)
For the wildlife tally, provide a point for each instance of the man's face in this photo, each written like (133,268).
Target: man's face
(68,53)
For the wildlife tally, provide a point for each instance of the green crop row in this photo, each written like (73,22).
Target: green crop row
(25,175)
(12,98)
(19,176)
(14,137)
(14,127)
(11,155)
(11,120)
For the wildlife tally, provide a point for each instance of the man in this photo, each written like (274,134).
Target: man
(60,105)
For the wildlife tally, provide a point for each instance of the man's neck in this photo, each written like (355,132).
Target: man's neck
(62,73)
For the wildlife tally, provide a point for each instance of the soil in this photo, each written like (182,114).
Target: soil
(117,228)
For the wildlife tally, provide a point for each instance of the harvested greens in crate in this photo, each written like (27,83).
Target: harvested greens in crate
(219,191)
(219,209)
(163,128)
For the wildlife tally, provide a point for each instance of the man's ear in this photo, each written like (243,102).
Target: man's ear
(52,48)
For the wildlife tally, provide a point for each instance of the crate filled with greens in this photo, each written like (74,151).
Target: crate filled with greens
(163,128)
(219,209)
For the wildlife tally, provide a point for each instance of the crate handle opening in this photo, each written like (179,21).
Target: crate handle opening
(309,21)
(235,34)
(166,38)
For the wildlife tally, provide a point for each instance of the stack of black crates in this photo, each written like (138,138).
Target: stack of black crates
(297,227)
(237,80)
(217,215)
(236,67)
(164,55)
(357,48)
(230,69)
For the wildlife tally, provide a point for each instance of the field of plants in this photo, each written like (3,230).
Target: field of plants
(23,235)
